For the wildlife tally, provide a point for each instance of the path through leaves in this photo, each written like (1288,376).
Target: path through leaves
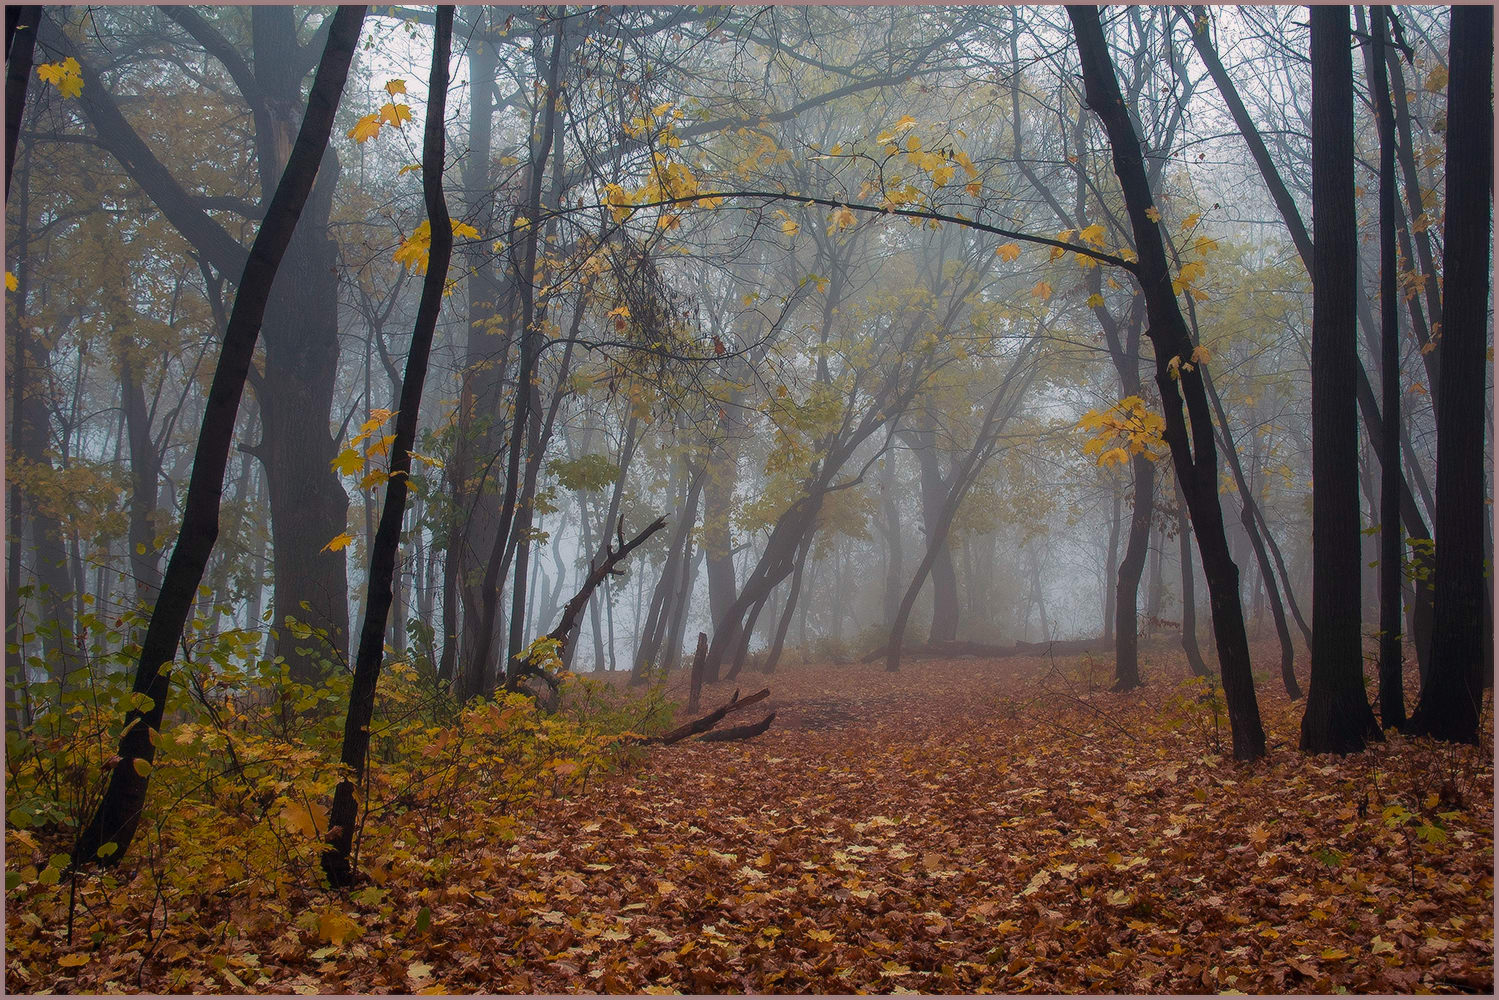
(963,826)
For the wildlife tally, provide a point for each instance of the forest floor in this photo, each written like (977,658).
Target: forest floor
(962,826)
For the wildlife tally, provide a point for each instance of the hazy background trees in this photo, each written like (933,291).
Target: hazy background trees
(661,302)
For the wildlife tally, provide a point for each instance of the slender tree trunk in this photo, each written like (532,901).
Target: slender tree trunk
(890,507)
(1391,567)
(1189,592)
(1303,243)
(1110,578)
(1338,718)
(943,576)
(774,656)
(1452,695)
(344,813)
(19,48)
(1126,594)
(119,812)
(1195,456)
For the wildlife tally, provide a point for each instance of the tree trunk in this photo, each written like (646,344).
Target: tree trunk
(943,575)
(1338,718)
(1391,566)
(1126,594)
(343,814)
(1195,457)
(1110,578)
(1189,592)
(19,48)
(1452,695)
(1303,243)
(774,656)
(119,812)
(890,507)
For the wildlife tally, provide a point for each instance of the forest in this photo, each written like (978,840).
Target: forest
(748,499)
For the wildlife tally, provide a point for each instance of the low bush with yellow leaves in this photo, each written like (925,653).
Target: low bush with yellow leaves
(246,764)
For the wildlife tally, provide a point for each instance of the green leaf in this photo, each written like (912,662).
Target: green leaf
(142,767)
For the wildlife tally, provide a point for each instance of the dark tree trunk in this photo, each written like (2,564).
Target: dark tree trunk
(20,44)
(344,812)
(119,813)
(1252,520)
(1189,593)
(1391,568)
(718,543)
(1189,434)
(509,530)
(1338,718)
(1415,528)
(1126,594)
(308,503)
(774,656)
(1110,578)
(1452,695)
(669,590)
(300,325)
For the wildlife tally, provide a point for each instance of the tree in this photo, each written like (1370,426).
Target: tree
(1189,434)
(344,812)
(1461,655)
(119,812)
(1280,194)
(1338,718)
(307,503)
(1391,566)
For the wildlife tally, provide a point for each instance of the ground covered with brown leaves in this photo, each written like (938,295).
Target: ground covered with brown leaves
(963,826)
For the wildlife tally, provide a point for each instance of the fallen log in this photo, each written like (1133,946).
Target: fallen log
(739,732)
(707,722)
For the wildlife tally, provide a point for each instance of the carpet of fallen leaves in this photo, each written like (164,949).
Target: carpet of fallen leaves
(963,826)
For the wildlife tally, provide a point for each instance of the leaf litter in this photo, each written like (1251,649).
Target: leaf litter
(962,826)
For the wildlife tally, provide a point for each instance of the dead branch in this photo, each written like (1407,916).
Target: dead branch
(739,732)
(707,722)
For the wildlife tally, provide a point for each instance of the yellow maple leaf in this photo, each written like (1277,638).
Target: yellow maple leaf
(365,129)
(1092,235)
(790,227)
(10,282)
(1007,252)
(74,960)
(1153,214)
(395,87)
(66,76)
(395,114)
(338,542)
(841,218)
(336,928)
(1095,301)
(462,230)
(1041,290)
(309,822)
(409,168)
